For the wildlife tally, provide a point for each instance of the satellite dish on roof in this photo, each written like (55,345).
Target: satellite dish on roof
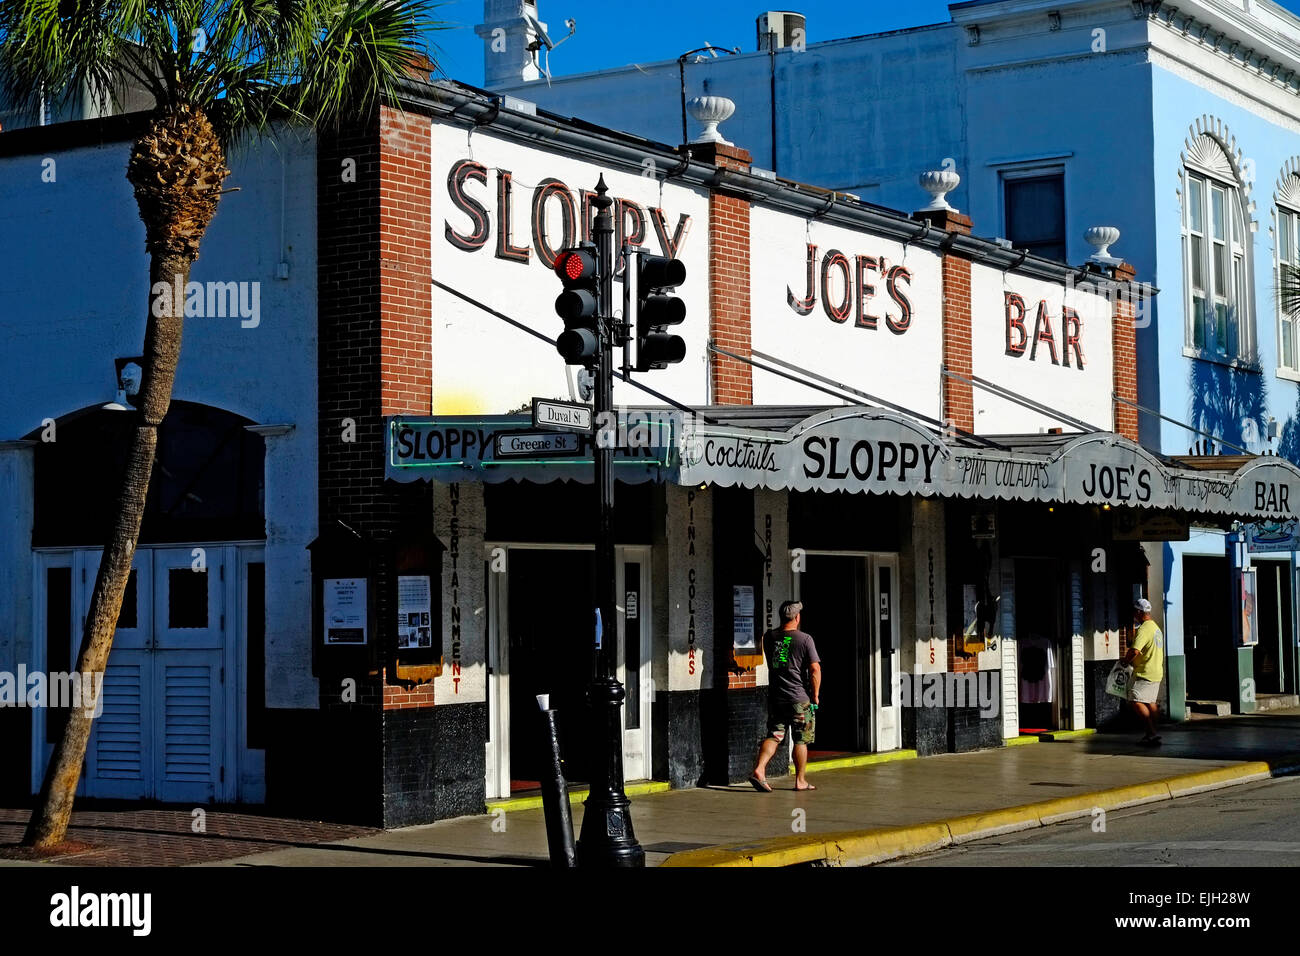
(544,39)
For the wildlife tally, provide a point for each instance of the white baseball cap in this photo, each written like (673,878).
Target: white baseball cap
(1143,605)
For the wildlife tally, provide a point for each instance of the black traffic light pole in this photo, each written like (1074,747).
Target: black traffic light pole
(607,838)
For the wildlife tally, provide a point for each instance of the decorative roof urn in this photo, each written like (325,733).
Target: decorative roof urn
(938,183)
(1101,238)
(709,111)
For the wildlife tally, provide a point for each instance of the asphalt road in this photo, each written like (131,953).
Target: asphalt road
(1253,825)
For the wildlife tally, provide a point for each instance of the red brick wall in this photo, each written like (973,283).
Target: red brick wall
(731,382)
(958,400)
(749,678)
(961,663)
(1124,343)
(407,698)
(405,250)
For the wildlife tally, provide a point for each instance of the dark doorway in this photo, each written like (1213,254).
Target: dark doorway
(550,653)
(1040,645)
(833,590)
(1207,629)
(1272,655)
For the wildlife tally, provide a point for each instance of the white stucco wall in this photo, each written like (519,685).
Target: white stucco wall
(863,357)
(482,365)
(73,296)
(1084,393)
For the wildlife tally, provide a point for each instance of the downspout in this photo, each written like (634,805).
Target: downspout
(771,69)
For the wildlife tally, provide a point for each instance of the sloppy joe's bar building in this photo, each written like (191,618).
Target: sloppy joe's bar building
(927,437)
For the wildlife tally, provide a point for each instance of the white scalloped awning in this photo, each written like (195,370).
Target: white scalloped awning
(857,450)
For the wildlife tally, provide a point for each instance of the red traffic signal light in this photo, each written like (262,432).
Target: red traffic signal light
(579,343)
(575,265)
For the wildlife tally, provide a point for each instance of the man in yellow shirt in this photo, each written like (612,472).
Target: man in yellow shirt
(1147,655)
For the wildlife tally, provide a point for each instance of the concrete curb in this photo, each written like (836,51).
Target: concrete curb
(864,847)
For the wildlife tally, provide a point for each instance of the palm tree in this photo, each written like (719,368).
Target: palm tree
(217,71)
(1288,289)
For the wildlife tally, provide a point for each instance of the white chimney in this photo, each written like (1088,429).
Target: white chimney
(511,34)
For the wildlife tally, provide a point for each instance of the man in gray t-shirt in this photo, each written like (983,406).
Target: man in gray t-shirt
(794,676)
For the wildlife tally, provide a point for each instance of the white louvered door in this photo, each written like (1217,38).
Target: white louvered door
(162,731)
(189,621)
(119,757)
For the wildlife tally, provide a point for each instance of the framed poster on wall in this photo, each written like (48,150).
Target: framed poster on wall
(345,610)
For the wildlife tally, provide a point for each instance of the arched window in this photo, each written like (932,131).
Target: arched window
(1287,253)
(1216,255)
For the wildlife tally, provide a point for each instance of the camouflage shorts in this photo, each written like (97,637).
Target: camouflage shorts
(800,718)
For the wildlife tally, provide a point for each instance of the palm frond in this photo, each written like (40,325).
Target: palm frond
(1288,289)
(240,61)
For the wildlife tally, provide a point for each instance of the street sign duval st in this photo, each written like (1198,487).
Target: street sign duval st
(566,416)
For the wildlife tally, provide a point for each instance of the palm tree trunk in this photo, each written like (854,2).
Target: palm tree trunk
(162,348)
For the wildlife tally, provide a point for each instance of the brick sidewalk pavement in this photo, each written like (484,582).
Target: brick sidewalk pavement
(165,837)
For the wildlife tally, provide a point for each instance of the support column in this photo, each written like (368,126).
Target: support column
(375,245)
(684,562)
(457,743)
(923,562)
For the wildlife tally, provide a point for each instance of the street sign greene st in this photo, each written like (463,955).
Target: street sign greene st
(527,444)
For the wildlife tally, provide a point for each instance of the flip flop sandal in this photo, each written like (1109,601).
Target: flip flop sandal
(760,785)
(804,789)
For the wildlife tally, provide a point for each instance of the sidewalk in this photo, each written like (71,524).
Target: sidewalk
(898,793)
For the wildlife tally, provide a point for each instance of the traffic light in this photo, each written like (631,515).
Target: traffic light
(656,276)
(579,343)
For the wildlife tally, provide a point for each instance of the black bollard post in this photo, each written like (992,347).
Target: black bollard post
(555,795)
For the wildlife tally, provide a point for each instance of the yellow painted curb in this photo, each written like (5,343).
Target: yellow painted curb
(888,844)
(1019,741)
(576,796)
(1052,735)
(854,847)
(1220,776)
(862,847)
(980,824)
(858,760)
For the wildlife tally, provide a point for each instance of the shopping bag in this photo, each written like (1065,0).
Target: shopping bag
(1121,675)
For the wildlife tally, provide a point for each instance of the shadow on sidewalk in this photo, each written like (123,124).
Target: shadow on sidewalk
(1267,737)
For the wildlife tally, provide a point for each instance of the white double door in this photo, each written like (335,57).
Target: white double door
(162,734)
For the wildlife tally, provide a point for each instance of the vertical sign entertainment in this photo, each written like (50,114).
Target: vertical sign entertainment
(454,550)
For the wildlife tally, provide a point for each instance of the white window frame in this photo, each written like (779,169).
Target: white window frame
(1286,219)
(1234,292)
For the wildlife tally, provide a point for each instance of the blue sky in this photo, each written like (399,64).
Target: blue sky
(617,32)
